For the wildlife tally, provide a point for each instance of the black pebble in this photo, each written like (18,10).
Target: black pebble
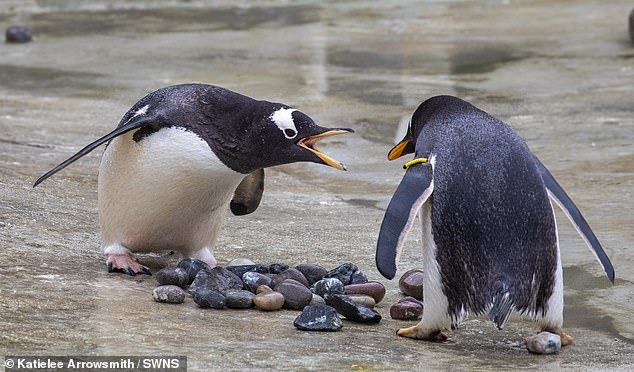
(358,277)
(352,310)
(328,286)
(208,298)
(192,266)
(239,299)
(252,280)
(277,268)
(318,317)
(218,279)
(343,272)
(241,269)
(312,272)
(172,276)
(18,34)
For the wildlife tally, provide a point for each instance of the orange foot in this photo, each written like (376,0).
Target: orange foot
(565,338)
(420,332)
(125,263)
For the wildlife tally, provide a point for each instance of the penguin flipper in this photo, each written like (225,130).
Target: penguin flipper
(559,195)
(415,188)
(248,194)
(134,123)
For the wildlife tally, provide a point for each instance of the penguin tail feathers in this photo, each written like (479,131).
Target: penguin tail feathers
(502,307)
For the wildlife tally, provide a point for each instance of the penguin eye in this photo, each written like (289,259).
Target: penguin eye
(290,133)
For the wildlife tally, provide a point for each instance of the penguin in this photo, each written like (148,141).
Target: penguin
(489,237)
(183,156)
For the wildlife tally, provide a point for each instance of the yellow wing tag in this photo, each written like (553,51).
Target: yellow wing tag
(414,162)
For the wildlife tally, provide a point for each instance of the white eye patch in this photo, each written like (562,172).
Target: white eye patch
(141,111)
(283,118)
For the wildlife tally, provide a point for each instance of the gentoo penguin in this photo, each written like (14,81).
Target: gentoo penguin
(490,243)
(180,157)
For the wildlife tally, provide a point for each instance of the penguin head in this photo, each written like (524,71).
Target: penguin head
(422,117)
(285,135)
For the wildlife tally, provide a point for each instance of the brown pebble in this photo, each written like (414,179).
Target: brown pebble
(375,290)
(411,283)
(263,289)
(407,308)
(291,273)
(268,301)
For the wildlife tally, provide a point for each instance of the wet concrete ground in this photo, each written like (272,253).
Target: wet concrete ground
(561,73)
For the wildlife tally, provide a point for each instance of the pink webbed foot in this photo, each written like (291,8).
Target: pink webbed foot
(125,263)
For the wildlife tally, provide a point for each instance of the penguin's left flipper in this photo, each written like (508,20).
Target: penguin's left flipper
(133,123)
(248,194)
(415,188)
(557,193)
(125,263)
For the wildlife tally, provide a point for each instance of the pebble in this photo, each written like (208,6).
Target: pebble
(239,299)
(240,262)
(242,269)
(313,273)
(290,274)
(317,300)
(296,295)
(218,279)
(267,299)
(172,276)
(192,266)
(169,294)
(353,311)
(328,286)
(363,300)
(318,317)
(277,268)
(343,272)
(252,280)
(375,290)
(358,277)
(543,343)
(407,308)
(18,34)
(208,298)
(411,283)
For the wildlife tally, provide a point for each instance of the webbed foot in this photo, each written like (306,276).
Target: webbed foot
(125,263)
(421,332)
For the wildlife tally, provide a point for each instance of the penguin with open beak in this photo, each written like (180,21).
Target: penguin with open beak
(184,155)
(490,241)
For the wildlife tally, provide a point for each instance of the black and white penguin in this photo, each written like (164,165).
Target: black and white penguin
(490,242)
(180,158)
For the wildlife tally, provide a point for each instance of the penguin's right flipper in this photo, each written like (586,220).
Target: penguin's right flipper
(415,188)
(558,194)
(248,194)
(134,123)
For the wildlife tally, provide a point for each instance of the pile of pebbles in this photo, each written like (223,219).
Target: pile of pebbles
(319,293)
(411,306)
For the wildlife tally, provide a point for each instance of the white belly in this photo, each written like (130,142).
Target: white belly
(168,191)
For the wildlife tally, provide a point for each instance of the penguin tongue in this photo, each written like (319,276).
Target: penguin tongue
(309,144)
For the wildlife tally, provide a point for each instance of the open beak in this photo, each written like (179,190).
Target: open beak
(309,144)
(406,146)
